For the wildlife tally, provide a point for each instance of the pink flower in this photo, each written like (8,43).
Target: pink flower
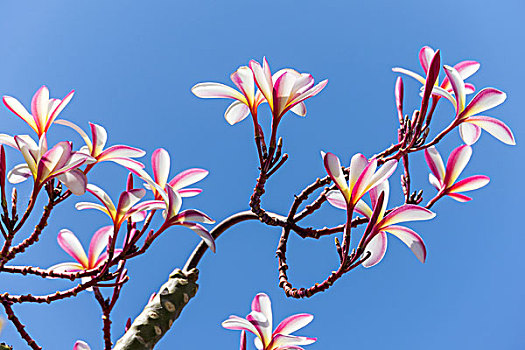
(160,162)
(471,122)
(71,245)
(363,175)
(259,322)
(43,165)
(119,154)
(443,179)
(246,101)
(126,207)
(464,68)
(376,240)
(285,90)
(43,109)
(81,345)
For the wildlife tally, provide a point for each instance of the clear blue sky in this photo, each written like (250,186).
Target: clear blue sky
(133,64)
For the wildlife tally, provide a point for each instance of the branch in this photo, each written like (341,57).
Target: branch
(160,312)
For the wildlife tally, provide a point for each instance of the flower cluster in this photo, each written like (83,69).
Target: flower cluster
(259,323)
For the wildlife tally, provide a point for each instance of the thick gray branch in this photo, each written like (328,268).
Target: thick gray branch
(160,313)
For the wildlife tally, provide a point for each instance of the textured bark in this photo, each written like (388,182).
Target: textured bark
(3,346)
(160,313)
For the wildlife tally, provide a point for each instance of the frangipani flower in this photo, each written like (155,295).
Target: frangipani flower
(443,179)
(43,109)
(126,207)
(471,122)
(376,242)
(71,245)
(259,322)
(119,154)
(363,176)
(81,345)
(285,90)
(464,68)
(160,162)
(59,162)
(246,101)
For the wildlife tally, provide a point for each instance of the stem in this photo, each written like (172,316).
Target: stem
(19,326)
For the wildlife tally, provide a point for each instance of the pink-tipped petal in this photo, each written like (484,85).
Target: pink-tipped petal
(203,233)
(19,173)
(99,241)
(89,205)
(407,212)
(81,345)
(333,168)
(362,184)
(263,81)
(469,133)
(377,248)
(469,89)
(459,197)
(75,180)
(17,108)
(383,174)
(493,126)
(458,86)
(70,243)
(293,323)
(66,267)
(485,99)
(103,197)
(425,57)
(336,199)
(236,112)
(189,192)
(435,163)
(457,161)
(358,163)
(411,239)
(8,140)
(465,70)
(409,73)
(120,151)
(127,163)
(299,109)
(240,324)
(216,90)
(160,162)
(309,93)
(262,303)
(195,216)
(243,78)
(470,183)
(100,137)
(438,91)
(40,107)
(435,182)
(281,92)
(128,199)
(286,341)
(55,111)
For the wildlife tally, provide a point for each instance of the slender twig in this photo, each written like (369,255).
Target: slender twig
(19,326)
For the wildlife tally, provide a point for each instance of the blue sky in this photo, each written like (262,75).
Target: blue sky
(132,65)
